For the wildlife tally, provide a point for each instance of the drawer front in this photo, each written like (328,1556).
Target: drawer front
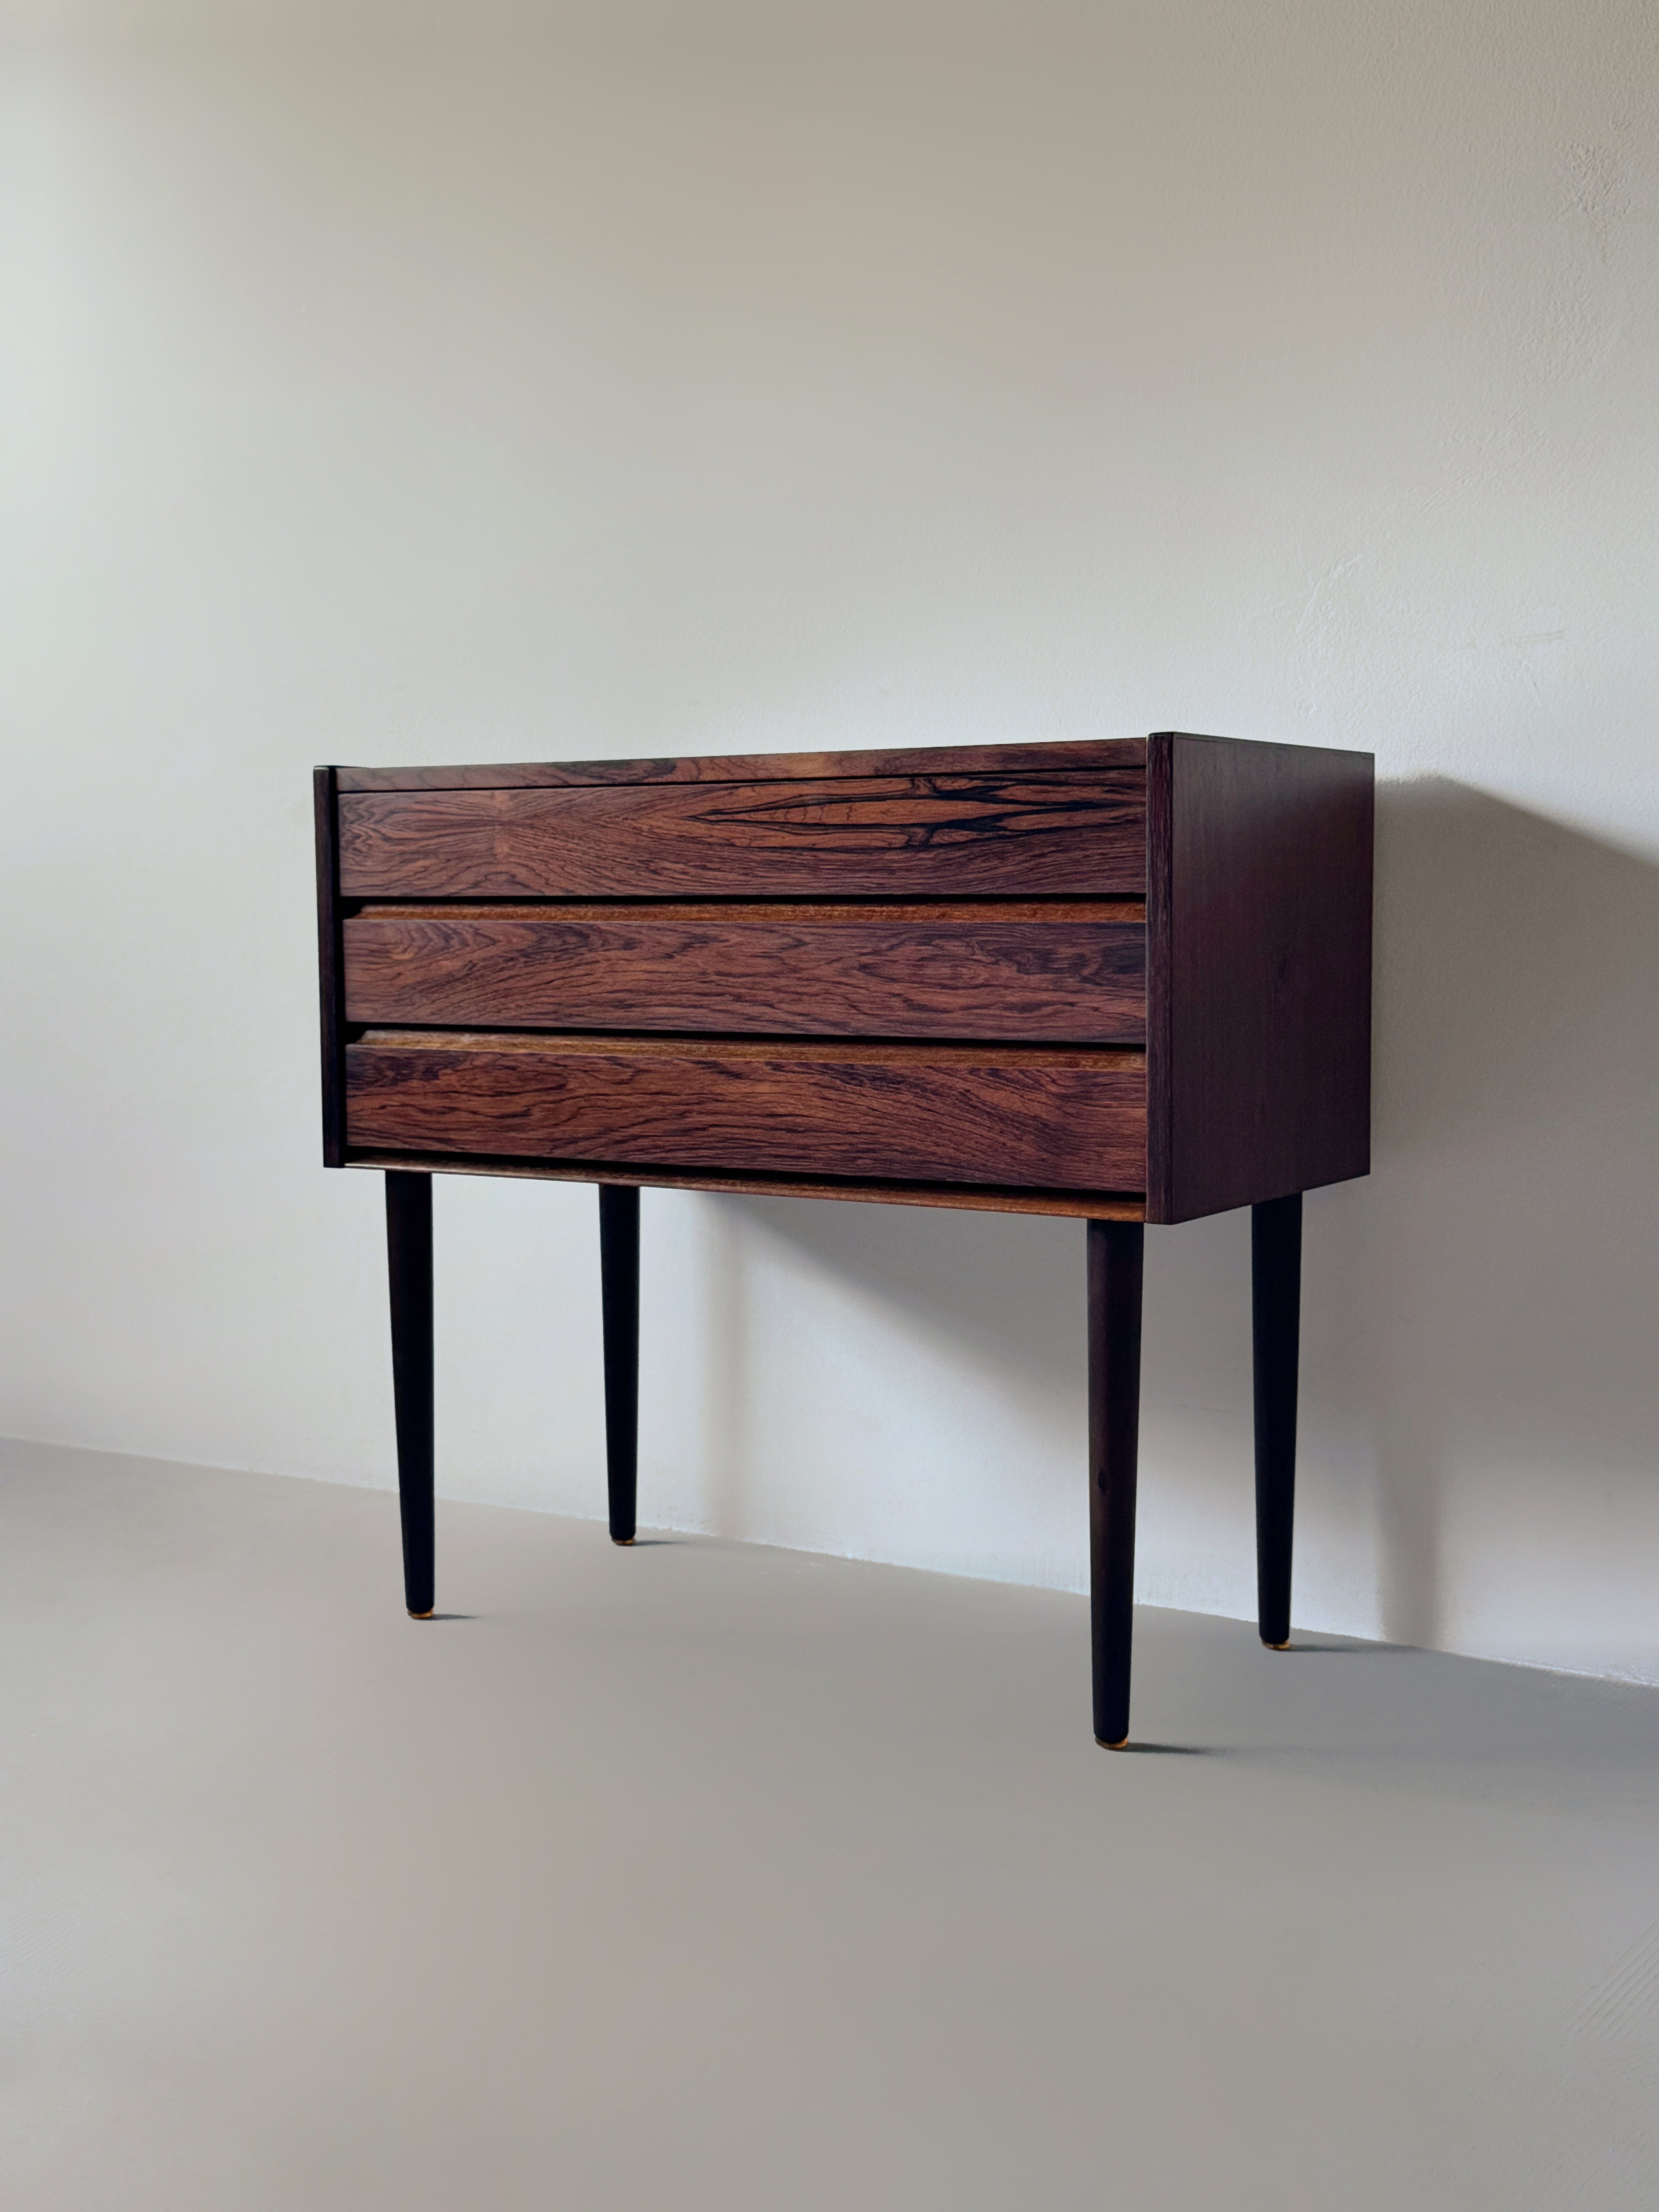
(1033,973)
(881,837)
(1051,1120)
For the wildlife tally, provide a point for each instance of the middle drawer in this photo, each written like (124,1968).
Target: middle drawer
(1041,972)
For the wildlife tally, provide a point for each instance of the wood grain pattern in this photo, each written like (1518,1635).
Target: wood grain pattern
(967,1198)
(1071,974)
(967,1114)
(1259,948)
(901,836)
(1040,759)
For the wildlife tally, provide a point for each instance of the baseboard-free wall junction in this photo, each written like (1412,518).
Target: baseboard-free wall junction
(1127,982)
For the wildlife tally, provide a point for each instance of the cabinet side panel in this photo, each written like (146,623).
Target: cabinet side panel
(1268,959)
(331,966)
(1159,980)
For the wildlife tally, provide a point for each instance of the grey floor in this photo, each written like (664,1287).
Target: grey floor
(705,1875)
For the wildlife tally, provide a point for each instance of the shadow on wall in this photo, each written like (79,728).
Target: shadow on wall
(1481,1374)
(1507,1278)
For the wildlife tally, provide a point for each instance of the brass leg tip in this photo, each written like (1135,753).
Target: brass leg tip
(1285,1646)
(1120,1745)
(620,1540)
(426,1615)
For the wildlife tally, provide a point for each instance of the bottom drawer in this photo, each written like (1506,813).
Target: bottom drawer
(1060,1120)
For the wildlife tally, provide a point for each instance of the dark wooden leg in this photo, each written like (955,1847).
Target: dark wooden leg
(409,1256)
(1276,1314)
(619,1295)
(1115,1262)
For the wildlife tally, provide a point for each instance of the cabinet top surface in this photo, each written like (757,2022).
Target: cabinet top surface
(1069,757)
(760,768)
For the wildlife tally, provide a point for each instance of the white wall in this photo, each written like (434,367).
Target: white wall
(830,378)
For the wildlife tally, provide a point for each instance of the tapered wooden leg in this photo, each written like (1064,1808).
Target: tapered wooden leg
(1276,1314)
(409,1256)
(1114,1267)
(619,1294)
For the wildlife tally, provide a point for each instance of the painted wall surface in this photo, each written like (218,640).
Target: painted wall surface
(647,380)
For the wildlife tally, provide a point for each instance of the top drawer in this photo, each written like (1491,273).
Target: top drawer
(1018,836)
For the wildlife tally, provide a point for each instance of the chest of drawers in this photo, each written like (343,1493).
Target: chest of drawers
(1125,980)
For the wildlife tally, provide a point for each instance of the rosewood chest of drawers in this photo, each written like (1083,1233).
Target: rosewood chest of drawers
(1127,982)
